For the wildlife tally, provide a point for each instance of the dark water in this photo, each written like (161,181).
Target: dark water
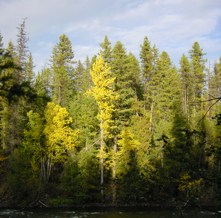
(64,213)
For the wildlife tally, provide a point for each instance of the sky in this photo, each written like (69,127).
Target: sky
(172,25)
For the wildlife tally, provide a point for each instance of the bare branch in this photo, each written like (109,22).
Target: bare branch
(217,99)
(211,99)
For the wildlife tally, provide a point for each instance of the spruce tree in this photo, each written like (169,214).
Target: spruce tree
(29,67)
(105,50)
(1,41)
(62,71)
(135,75)
(215,85)
(168,88)
(187,85)
(148,56)
(123,84)
(198,68)
(22,49)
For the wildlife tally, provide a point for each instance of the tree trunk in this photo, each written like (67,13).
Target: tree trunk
(151,117)
(102,161)
(114,193)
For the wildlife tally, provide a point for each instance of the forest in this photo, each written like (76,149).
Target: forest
(114,129)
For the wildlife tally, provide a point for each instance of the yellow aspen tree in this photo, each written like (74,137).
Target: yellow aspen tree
(60,137)
(105,97)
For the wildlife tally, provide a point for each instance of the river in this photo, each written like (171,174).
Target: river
(111,213)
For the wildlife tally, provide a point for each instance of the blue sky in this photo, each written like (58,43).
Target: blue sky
(173,25)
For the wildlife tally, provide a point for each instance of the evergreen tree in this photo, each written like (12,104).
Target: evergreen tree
(167,87)
(214,88)
(1,41)
(148,56)
(187,85)
(43,83)
(29,67)
(63,73)
(22,50)
(198,67)
(105,50)
(123,85)
(78,77)
(134,75)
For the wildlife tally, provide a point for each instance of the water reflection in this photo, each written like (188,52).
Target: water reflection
(63,213)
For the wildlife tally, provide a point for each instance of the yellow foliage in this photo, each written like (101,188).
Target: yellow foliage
(103,93)
(127,145)
(61,138)
(188,185)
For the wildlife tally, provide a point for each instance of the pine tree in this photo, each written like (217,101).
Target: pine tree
(148,56)
(187,85)
(198,67)
(214,87)
(105,50)
(1,41)
(135,75)
(167,86)
(29,67)
(22,50)
(123,85)
(63,73)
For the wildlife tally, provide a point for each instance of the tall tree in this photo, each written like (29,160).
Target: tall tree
(149,56)
(1,41)
(22,49)
(135,75)
(168,88)
(29,67)
(105,50)
(198,68)
(214,88)
(123,84)
(105,98)
(62,69)
(187,84)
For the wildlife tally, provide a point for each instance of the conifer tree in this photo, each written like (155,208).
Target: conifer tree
(29,67)
(135,75)
(198,67)
(22,49)
(62,71)
(1,41)
(43,83)
(214,88)
(105,50)
(187,85)
(168,88)
(123,85)
(149,56)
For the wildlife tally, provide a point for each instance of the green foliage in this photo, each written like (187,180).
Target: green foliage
(126,152)
(62,71)
(198,67)
(23,186)
(105,51)
(113,129)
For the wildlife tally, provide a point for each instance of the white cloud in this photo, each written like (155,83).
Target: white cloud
(173,25)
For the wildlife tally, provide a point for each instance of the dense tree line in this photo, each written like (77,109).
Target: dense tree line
(114,129)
